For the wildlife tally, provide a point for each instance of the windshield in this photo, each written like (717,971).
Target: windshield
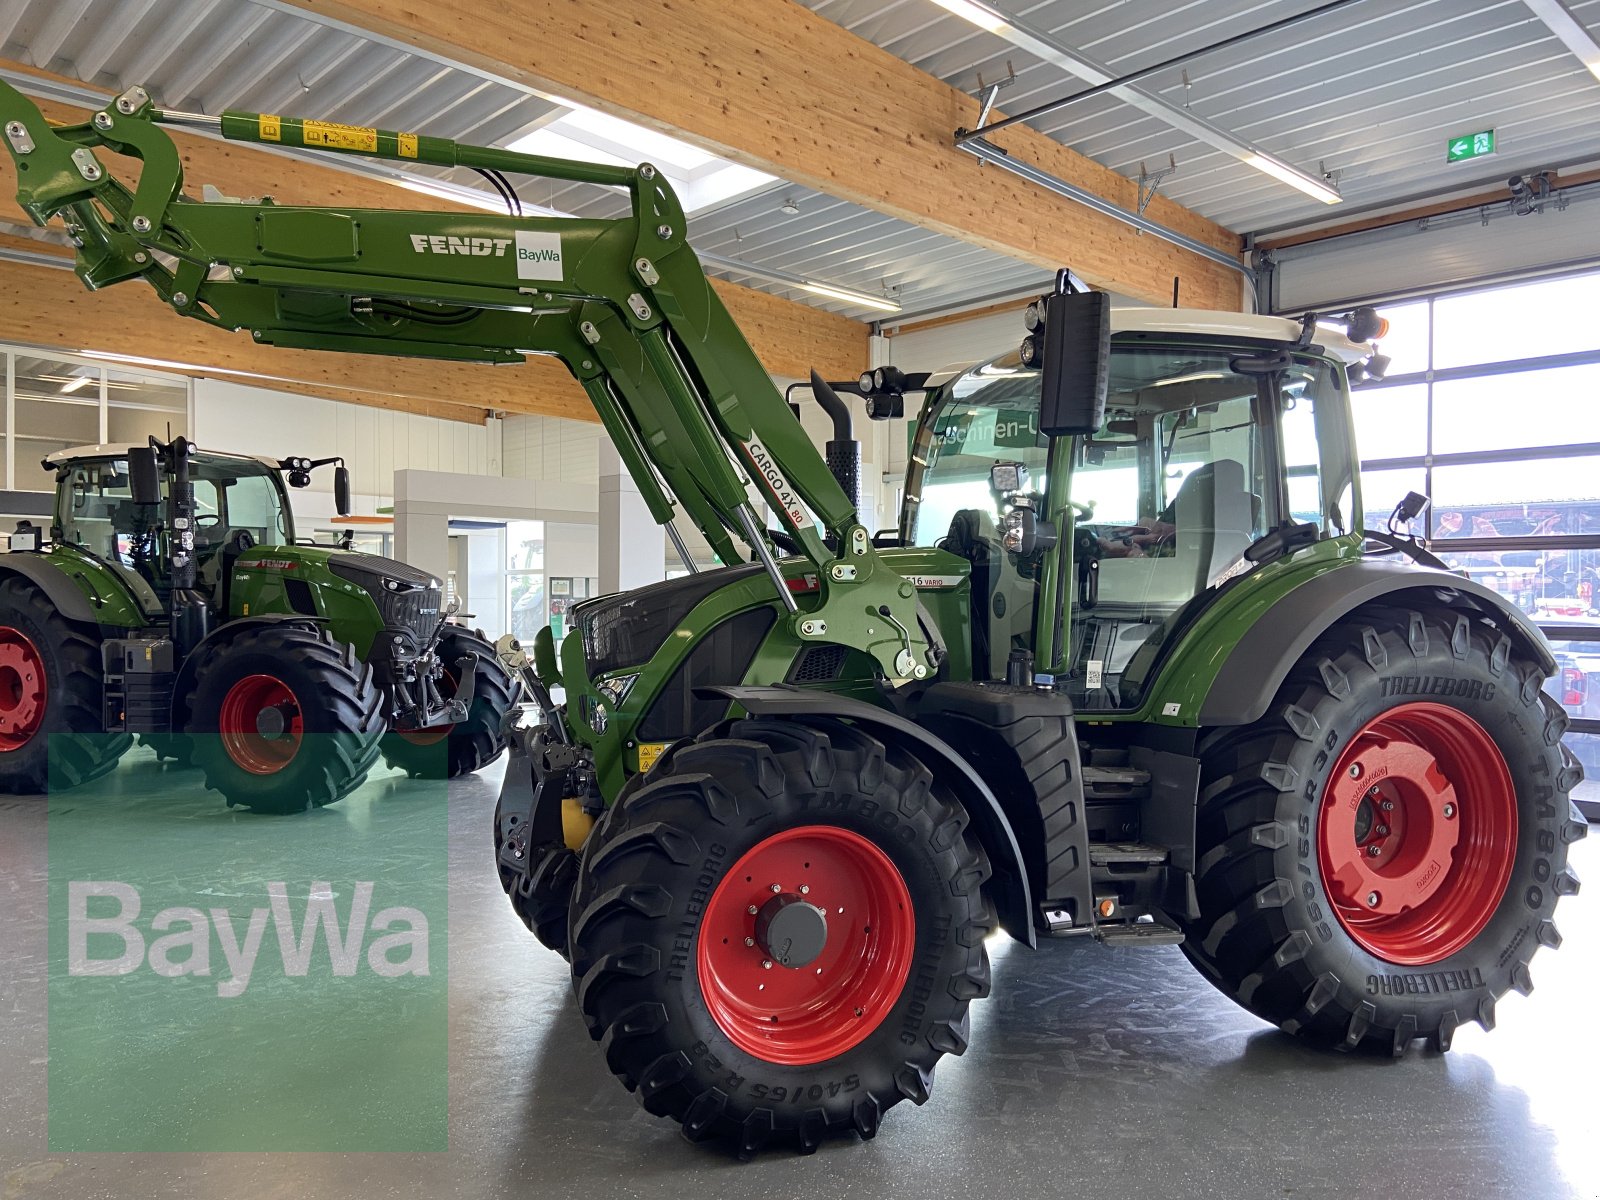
(1199,457)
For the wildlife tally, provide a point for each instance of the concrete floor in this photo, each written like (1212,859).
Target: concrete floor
(1091,1072)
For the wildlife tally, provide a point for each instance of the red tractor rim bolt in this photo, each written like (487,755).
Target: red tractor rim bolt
(1417,885)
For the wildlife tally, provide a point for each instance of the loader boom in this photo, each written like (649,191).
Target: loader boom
(623,303)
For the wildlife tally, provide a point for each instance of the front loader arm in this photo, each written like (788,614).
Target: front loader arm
(623,303)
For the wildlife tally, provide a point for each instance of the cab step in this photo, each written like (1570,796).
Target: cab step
(1139,934)
(1104,854)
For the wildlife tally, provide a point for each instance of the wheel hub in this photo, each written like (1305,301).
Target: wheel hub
(22,689)
(790,931)
(272,722)
(1417,833)
(806,944)
(261,724)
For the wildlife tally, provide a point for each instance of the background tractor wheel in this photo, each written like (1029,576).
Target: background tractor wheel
(1380,854)
(777,936)
(284,719)
(450,751)
(51,688)
(177,748)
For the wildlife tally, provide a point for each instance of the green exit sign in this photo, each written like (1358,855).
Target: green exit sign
(1469,145)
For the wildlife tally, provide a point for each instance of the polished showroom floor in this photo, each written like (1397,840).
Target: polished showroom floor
(1092,1072)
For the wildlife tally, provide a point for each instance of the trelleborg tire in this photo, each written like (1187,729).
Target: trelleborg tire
(1381,854)
(777,937)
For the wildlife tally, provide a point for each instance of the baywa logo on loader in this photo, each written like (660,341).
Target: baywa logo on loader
(179,941)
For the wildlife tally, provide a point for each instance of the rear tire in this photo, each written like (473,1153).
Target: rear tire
(54,733)
(1380,855)
(325,702)
(677,997)
(470,745)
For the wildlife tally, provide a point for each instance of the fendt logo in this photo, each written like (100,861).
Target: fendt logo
(477,247)
(179,941)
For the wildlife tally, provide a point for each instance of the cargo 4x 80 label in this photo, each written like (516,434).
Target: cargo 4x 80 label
(774,483)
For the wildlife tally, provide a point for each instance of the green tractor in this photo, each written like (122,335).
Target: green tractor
(171,600)
(1129,670)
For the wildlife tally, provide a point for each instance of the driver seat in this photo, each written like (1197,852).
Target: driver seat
(972,537)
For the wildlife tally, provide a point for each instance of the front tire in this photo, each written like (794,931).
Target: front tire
(1381,854)
(869,916)
(51,694)
(285,719)
(452,751)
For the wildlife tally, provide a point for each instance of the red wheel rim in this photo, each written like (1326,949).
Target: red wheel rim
(1417,833)
(435,734)
(818,1009)
(23,689)
(261,724)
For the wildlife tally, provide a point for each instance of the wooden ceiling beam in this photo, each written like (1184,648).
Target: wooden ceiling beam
(773,85)
(789,338)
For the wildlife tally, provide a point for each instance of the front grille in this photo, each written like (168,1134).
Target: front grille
(406,597)
(627,629)
(722,656)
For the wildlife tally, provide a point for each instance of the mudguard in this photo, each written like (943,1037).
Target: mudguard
(1013,894)
(38,570)
(1258,664)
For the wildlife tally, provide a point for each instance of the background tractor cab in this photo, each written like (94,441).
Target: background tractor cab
(1213,442)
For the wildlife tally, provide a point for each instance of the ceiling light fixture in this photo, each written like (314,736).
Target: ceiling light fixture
(1042,45)
(736,266)
(789,207)
(875,303)
(81,381)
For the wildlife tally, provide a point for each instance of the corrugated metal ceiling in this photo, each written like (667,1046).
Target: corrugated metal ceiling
(1372,92)
(210,55)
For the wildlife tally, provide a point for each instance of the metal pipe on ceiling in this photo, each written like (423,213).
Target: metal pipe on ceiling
(989,153)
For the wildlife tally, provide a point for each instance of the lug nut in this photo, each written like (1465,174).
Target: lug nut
(805,889)
(766,964)
(1355,771)
(749,941)
(1372,899)
(752,910)
(774,888)
(1387,806)
(1382,831)
(1449,811)
(1373,851)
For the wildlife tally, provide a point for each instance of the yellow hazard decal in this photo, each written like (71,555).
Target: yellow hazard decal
(649,752)
(340,137)
(271,128)
(408,144)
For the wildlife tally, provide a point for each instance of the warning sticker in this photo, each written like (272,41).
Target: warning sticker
(649,752)
(408,144)
(339,137)
(271,128)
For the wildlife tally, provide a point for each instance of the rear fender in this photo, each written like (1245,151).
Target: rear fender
(50,579)
(1258,664)
(1010,886)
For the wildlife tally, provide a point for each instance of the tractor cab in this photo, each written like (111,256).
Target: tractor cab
(240,503)
(1218,432)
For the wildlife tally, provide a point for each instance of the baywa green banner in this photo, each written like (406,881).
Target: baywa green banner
(221,980)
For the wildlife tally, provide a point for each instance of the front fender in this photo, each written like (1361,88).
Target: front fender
(1258,664)
(1012,892)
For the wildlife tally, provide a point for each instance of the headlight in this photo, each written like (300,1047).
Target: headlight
(616,688)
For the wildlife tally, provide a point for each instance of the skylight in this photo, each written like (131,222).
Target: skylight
(700,178)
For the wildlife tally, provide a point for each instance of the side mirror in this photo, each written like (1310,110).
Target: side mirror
(1076,362)
(341,490)
(144,475)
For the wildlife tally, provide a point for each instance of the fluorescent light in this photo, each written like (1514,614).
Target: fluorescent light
(980,15)
(1299,180)
(1045,47)
(73,385)
(849,297)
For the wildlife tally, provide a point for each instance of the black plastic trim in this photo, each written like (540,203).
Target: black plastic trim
(50,579)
